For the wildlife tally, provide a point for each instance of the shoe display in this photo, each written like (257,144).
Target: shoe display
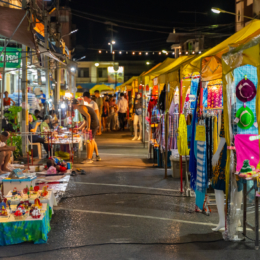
(135,138)
(98,158)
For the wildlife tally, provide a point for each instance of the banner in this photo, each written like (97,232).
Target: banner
(13,58)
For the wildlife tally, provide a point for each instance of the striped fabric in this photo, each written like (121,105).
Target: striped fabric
(201,182)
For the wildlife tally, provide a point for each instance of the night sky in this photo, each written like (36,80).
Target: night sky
(160,16)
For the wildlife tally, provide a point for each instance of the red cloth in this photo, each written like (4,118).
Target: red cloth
(62,169)
(8,102)
(151,105)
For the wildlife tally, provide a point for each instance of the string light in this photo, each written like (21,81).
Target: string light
(179,53)
(173,53)
(127,52)
(100,51)
(140,53)
(106,51)
(120,52)
(193,52)
(166,53)
(146,53)
(133,53)
(147,63)
(153,53)
(199,52)
(160,53)
(113,52)
(186,52)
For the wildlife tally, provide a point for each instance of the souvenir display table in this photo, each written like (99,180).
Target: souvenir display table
(246,192)
(49,198)
(14,231)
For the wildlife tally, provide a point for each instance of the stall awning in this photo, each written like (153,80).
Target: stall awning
(50,54)
(9,20)
(127,83)
(101,88)
(211,66)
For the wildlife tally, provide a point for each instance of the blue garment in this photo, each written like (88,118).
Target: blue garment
(200,197)
(205,97)
(43,100)
(193,90)
(193,161)
(189,130)
(202,178)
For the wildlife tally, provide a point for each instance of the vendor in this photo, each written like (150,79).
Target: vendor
(36,138)
(45,125)
(5,152)
(8,100)
(91,122)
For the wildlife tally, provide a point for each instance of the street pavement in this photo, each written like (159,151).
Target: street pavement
(123,208)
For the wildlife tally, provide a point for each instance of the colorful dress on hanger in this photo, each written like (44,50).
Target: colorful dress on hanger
(219,177)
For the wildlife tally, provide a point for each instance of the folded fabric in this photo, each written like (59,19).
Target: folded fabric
(51,170)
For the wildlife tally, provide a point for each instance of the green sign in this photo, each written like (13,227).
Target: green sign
(12,57)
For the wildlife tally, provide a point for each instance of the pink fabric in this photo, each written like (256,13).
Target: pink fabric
(51,170)
(246,150)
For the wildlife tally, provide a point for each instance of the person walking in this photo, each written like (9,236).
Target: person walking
(122,109)
(105,109)
(91,103)
(91,122)
(8,100)
(99,102)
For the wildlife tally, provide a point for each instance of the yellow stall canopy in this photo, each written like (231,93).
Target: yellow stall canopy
(128,84)
(101,88)
(210,61)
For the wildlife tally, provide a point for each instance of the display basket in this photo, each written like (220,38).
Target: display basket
(23,217)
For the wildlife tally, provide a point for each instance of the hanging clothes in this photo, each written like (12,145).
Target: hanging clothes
(162,99)
(193,160)
(182,141)
(151,105)
(193,90)
(219,177)
(215,135)
(202,179)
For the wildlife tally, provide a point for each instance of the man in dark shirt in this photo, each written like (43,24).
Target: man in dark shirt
(91,122)
(36,138)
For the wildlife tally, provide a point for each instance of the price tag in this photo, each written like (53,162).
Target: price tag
(200,133)
(236,120)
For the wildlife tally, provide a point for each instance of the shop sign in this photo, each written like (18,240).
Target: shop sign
(13,57)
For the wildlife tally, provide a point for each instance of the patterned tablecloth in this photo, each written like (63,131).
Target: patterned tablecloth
(29,230)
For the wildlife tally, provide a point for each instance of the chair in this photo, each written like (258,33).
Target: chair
(39,147)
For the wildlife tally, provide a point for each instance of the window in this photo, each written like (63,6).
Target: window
(83,73)
(102,72)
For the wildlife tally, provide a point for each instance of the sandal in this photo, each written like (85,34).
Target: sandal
(73,173)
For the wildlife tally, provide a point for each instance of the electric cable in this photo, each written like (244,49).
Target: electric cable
(116,193)
(109,243)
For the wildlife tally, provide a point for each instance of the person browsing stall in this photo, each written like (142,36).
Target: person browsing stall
(5,152)
(91,122)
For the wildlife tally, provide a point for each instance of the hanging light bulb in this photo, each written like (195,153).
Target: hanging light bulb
(186,52)
(120,52)
(127,52)
(106,51)
(100,51)
(173,53)
(113,52)
(199,52)
(140,53)
(160,53)
(133,53)
(179,53)
(153,53)
(146,53)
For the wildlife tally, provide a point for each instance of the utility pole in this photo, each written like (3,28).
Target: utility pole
(24,123)
(46,59)
(57,76)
